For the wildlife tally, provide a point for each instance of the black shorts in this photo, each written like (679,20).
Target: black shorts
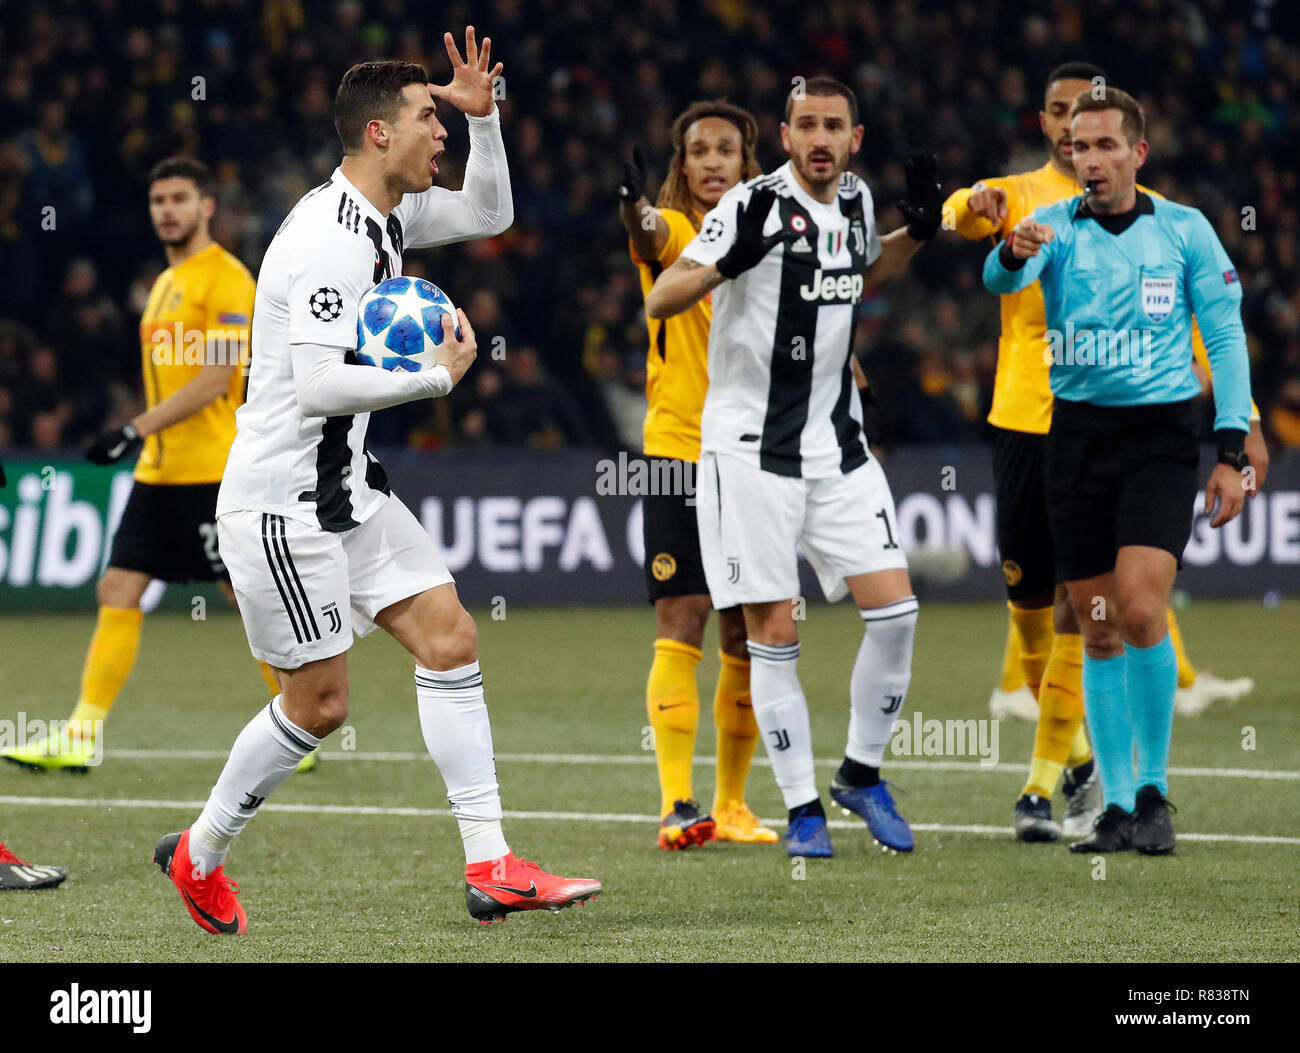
(672,541)
(170,532)
(1024,533)
(1116,476)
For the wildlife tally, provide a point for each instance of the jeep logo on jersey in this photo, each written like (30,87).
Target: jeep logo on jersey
(838,286)
(1157,298)
(326,304)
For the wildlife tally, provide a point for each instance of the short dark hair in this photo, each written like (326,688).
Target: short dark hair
(1075,71)
(371,91)
(1108,98)
(823,86)
(184,168)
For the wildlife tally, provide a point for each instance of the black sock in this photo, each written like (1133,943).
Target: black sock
(813,807)
(1082,773)
(858,775)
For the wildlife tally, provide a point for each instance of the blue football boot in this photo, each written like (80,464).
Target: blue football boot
(808,835)
(876,806)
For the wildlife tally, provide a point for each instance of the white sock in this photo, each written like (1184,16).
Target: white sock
(264,755)
(782,715)
(881,675)
(458,735)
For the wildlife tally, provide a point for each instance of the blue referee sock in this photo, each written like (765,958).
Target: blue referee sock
(1111,726)
(1152,681)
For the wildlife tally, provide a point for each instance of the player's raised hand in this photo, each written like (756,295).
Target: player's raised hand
(923,207)
(989,202)
(457,355)
(1027,237)
(751,245)
(470,90)
(1225,485)
(633,181)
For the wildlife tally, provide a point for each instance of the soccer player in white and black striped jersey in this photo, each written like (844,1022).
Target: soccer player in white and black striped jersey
(315,543)
(784,459)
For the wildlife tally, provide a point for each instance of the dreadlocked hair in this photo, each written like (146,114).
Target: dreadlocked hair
(675,192)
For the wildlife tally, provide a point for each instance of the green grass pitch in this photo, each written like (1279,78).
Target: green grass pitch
(366,883)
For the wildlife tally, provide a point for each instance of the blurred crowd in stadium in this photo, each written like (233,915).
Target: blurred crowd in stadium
(94,92)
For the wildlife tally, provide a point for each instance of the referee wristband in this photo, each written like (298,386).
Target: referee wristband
(1007,258)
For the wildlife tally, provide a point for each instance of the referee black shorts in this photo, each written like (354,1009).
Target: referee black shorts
(1116,476)
(170,532)
(1024,534)
(673,566)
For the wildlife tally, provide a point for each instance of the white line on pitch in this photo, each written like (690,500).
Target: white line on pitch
(109,803)
(648,758)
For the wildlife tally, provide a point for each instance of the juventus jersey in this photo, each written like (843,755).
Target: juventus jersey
(331,249)
(781,392)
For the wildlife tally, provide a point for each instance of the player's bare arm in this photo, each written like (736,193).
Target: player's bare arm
(470,90)
(680,287)
(646,228)
(896,249)
(684,288)
(212,382)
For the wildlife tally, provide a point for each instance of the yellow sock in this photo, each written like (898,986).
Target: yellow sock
(673,702)
(88,715)
(1186,671)
(737,731)
(109,660)
(1060,714)
(268,674)
(1034,632)
(1013,675)
(1080,749)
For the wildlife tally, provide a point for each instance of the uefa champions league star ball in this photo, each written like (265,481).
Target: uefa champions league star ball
(399,324)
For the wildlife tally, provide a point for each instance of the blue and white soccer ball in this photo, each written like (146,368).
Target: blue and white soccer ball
(399,324)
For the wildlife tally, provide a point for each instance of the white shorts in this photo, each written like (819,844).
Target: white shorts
(302,591)
(751,523)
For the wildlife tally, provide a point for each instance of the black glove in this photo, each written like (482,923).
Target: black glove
(923,208)
(750,245)
(873,420)
(4,479)
(114,444)
(629,187)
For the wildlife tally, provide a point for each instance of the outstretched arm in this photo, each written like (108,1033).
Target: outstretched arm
(681,286)
(1018,261)
(482,207)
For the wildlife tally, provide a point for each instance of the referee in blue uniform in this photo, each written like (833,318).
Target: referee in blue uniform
(1122,275)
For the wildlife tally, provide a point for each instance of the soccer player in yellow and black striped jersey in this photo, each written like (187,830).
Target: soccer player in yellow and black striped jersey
(1044,650)
(194,338)
(713,149)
